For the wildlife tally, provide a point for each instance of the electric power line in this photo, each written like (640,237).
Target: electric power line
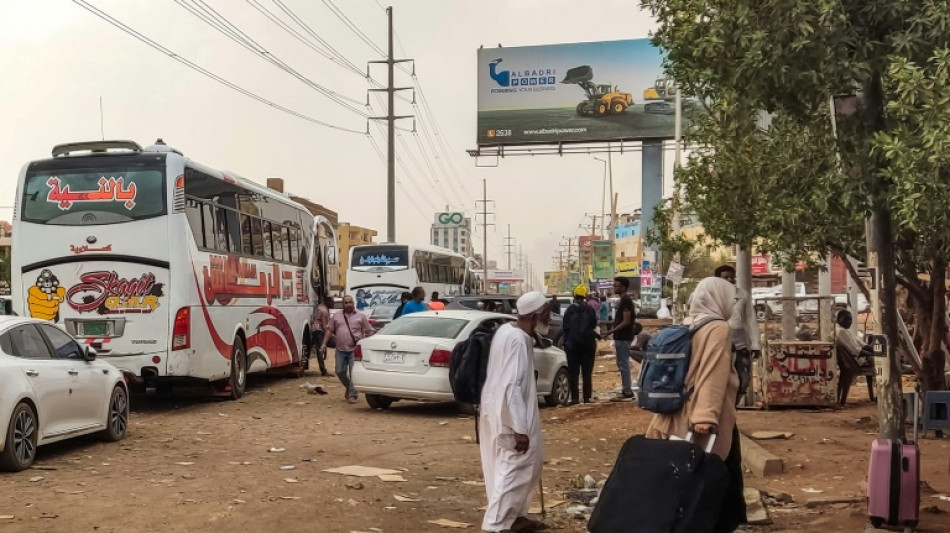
(341,61)
(349,24)
(382,158)
(224,26)
(190,64)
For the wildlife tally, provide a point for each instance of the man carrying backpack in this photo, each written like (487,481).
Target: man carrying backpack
(510,426)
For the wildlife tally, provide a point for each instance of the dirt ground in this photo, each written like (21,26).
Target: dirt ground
(191,463)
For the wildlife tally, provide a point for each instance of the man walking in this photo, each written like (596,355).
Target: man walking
(347,327)
(580,344)
(318,328)
(623,333)
(745,330)
(416,304)
(510,427)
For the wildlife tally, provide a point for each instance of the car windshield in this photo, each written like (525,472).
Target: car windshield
(425,326)
(384,311)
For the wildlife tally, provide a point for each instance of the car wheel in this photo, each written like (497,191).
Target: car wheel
(19,449)
(117,421)
(762,313)
(560,390)
(238,378)
(378,401)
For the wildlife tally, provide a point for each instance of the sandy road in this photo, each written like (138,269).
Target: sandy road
(197,464)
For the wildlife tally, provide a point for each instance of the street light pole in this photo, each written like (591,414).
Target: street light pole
(603,197)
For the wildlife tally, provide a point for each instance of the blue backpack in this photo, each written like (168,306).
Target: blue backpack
(663,373)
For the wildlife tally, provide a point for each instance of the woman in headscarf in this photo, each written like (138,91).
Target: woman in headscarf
(712,377)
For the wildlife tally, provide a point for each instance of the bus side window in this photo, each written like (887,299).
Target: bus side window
(193,211)
(207,223)
(291,255)
(268,242)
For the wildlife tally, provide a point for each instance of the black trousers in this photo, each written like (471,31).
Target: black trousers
(316,340)
(580,359)
(733,512)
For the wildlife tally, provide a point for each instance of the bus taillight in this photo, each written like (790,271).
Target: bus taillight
(181,334)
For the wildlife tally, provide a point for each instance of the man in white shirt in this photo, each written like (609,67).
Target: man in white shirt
(510,426)
(745,330)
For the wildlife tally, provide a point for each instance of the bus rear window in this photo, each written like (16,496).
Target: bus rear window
(74,197)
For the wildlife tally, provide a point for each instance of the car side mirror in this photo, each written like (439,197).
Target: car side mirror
(89,353)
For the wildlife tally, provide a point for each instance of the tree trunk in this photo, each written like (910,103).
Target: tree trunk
(931,375)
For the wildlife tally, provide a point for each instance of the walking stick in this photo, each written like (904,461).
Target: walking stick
(541,488)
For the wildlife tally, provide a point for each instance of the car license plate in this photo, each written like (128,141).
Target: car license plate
(393,358)
(95,329)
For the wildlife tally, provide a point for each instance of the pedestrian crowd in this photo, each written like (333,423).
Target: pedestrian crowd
(723,336)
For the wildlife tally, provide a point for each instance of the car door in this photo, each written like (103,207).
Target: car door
(47,378)
(88,384)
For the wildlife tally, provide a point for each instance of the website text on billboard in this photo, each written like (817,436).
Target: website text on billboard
(580,92)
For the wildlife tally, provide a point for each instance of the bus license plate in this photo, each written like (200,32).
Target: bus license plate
(393,358)
(95,329)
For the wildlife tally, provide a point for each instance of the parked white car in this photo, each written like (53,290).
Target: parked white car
(52,389)
(409,359)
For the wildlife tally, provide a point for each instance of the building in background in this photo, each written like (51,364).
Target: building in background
(348,236)
(452,230)
(628,247)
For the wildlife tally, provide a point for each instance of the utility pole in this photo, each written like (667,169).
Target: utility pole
(484,201)
(509,246)
(391,119)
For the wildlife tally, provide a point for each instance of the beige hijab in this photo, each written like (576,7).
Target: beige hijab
(713,298)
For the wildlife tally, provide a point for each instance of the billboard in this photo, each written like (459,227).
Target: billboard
(603,259)
(579,92)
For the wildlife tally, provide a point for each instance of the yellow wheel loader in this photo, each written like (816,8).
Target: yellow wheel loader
(602,99)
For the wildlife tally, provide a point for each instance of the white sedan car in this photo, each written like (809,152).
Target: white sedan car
(52,389)
(409,359)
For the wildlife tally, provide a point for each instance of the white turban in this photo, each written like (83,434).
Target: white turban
(530,303)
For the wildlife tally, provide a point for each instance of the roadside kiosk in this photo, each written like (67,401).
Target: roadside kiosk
(798,367)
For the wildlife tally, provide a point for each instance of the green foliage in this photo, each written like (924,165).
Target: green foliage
(785,188)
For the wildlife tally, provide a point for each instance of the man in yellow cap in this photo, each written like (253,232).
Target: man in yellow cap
(580,343)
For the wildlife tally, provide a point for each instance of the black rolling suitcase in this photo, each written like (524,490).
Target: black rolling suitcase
(661,486)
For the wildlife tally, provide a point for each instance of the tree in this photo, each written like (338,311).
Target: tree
(787,57)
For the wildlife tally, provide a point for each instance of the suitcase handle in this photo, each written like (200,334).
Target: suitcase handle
(710,441)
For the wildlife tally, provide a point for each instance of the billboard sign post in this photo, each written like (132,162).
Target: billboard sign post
(578,92)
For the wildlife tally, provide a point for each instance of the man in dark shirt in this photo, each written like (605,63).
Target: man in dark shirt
(623,333)
(580,344)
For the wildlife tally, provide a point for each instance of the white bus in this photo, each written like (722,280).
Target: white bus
(168,269)
(379,273)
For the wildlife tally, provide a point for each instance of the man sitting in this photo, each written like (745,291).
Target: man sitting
(854,357)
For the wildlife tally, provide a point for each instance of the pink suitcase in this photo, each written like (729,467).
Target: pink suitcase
(894,484)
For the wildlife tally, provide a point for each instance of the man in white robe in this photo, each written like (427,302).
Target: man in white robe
(510,426)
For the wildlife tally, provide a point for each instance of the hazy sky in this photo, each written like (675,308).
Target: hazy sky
(57,60)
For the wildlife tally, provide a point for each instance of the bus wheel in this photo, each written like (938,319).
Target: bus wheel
(238,380)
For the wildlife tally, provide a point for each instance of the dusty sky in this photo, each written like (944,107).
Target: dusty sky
(57,60)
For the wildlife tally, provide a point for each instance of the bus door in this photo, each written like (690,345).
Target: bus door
(324,267)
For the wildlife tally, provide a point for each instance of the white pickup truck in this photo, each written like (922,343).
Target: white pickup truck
(768,305)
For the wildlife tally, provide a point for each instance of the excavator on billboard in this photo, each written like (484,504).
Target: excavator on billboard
(601,98)
(663,89)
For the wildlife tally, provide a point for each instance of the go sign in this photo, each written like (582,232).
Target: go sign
(451,218)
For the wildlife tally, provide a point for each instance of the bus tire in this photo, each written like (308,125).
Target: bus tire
(238,380)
